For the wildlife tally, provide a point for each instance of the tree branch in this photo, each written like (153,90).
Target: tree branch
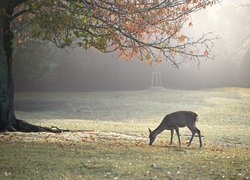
(19,13)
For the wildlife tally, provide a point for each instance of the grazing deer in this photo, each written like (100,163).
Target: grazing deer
(175,120)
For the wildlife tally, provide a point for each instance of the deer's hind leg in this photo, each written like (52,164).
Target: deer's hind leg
(193,130)
(199,134)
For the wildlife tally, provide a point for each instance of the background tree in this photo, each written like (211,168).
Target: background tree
(245,54)
(151,30)
(33,62)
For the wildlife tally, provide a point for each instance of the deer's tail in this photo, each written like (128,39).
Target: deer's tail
(197,118)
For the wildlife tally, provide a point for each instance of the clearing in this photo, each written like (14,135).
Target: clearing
(113,143)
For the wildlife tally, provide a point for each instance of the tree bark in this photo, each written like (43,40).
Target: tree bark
(8,121)
(7,115)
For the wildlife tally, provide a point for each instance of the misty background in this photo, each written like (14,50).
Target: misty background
(40,66)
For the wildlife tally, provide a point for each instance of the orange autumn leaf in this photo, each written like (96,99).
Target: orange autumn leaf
(149,62)
(148,56)
(190,24)
(181,39)
(205,52)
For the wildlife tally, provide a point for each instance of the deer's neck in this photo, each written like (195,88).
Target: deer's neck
(158,130)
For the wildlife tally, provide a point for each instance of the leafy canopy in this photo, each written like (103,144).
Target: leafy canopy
(148,29)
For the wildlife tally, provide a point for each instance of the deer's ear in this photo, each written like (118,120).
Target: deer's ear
(149,130)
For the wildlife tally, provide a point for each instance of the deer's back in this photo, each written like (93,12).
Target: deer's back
(179,118)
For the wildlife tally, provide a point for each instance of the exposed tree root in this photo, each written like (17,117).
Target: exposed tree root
(23,126)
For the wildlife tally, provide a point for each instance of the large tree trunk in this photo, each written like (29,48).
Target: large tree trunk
(8,120)
(7,116)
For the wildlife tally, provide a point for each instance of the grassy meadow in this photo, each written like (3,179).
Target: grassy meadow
(113,139)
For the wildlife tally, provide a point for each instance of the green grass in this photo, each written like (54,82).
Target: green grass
(116,147)
(109,160)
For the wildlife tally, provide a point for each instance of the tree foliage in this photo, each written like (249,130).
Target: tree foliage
(148,29)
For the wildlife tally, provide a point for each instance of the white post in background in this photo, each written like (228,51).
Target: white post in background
(156,80)
(159,76)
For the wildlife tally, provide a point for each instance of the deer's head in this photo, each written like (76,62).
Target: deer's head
(152,137)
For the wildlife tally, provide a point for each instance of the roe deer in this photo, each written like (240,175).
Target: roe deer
(175,120)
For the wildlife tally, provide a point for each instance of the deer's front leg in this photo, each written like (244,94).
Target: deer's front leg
(177,132)
(171,139)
